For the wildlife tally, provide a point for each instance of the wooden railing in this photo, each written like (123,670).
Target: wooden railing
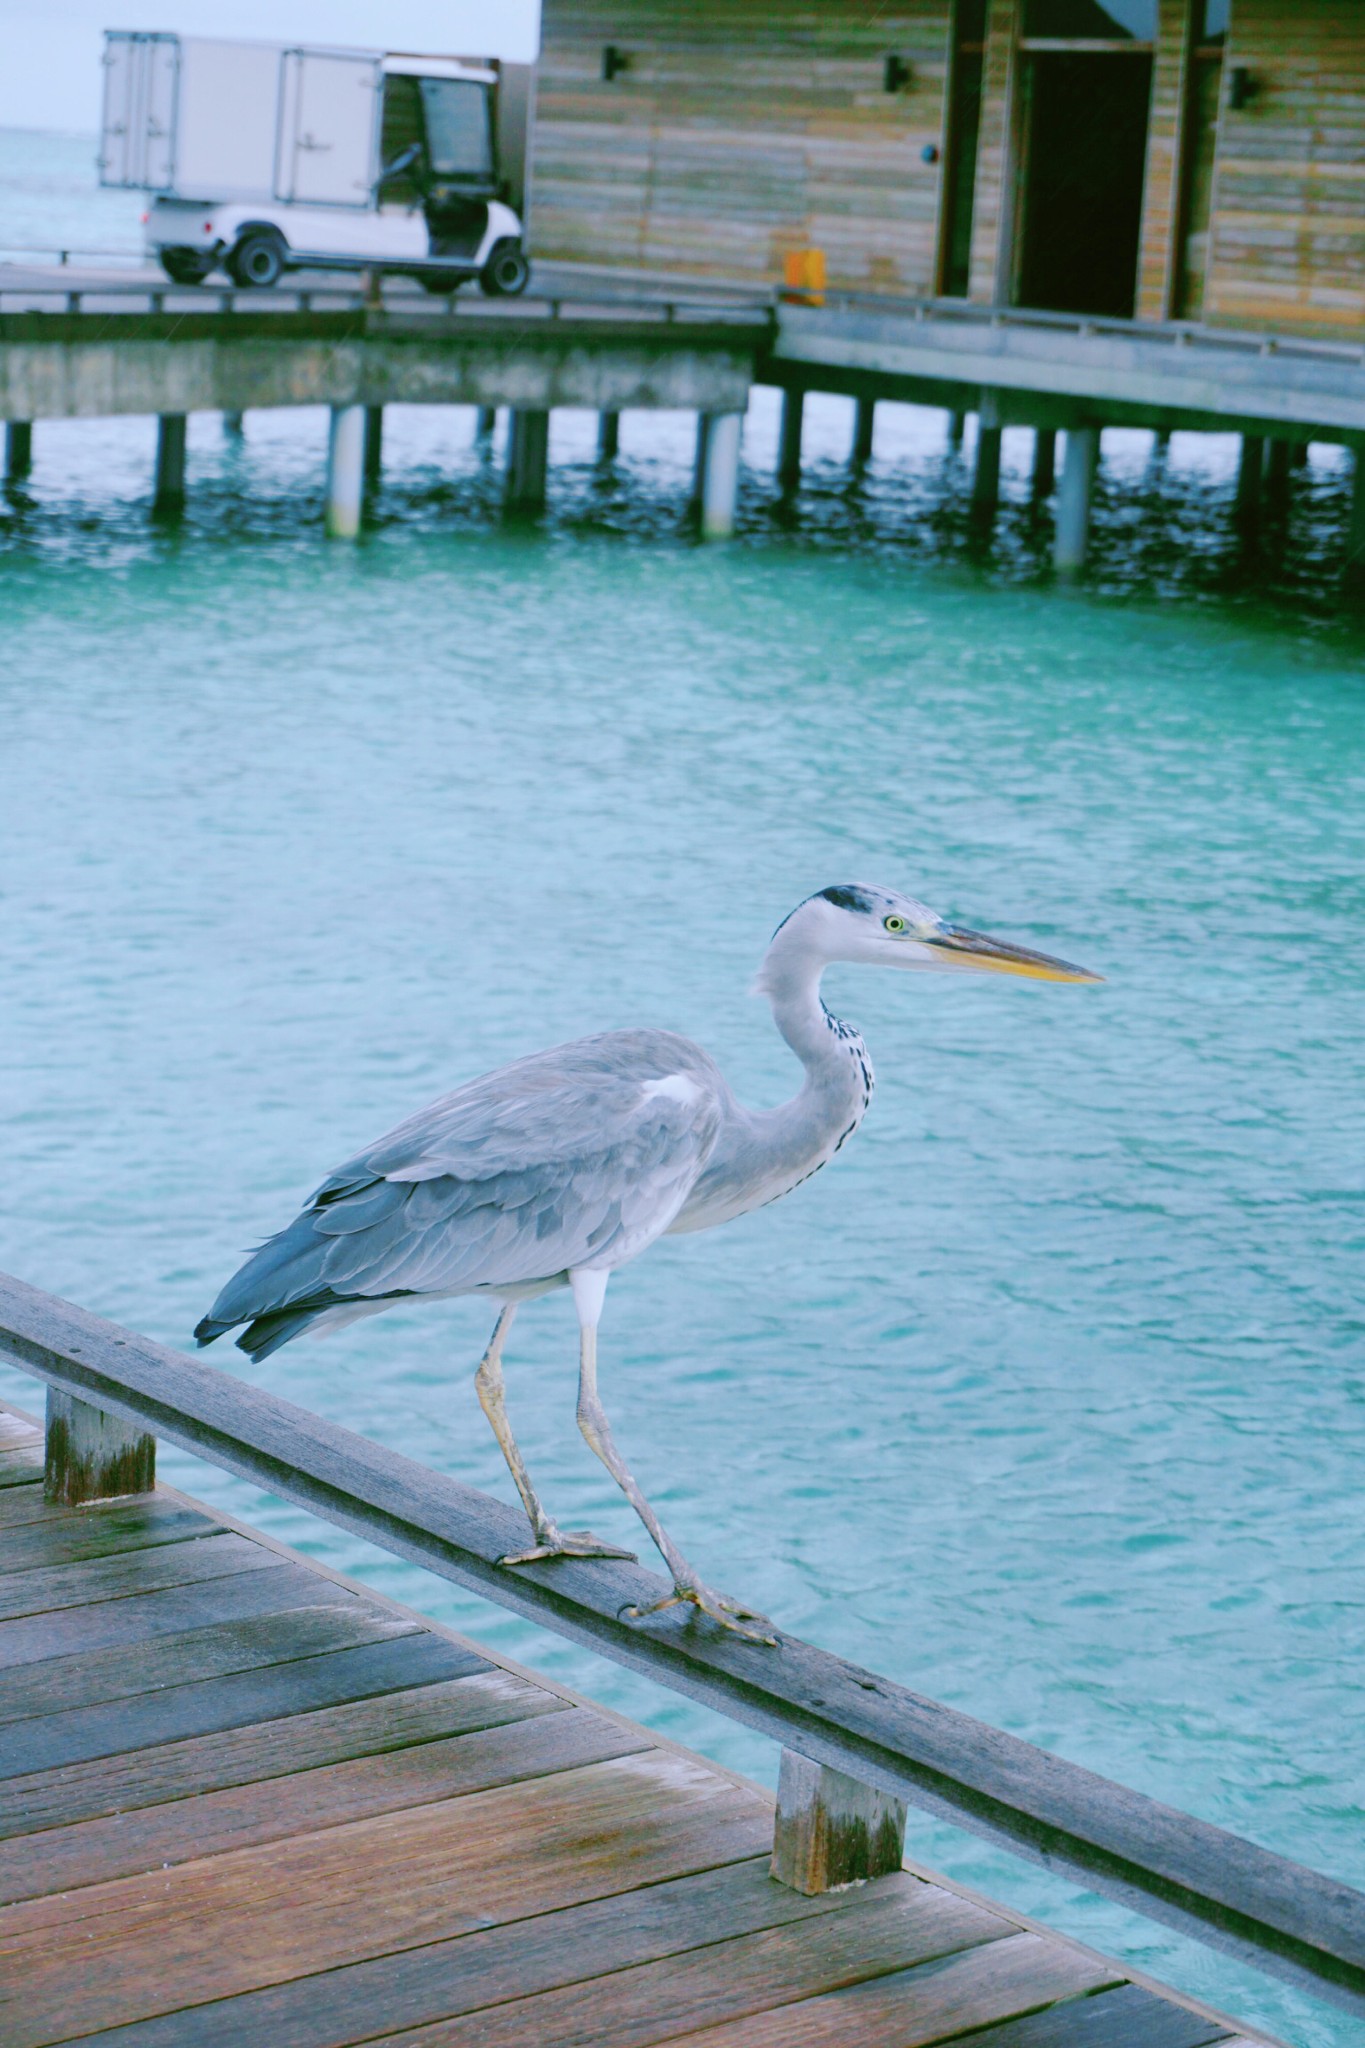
(856,1746)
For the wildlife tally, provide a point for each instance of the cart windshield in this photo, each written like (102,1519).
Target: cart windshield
(459,128)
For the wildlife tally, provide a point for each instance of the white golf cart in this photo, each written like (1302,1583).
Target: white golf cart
(263,158)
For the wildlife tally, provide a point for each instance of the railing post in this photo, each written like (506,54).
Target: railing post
(832,1830)
(89,1454)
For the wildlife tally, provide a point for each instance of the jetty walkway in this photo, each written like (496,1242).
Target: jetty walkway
(246,1800)
(84,340)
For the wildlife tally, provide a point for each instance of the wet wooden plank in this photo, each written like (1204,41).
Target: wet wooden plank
(20,1466)
(54,1535)
(255,1916)
(732,1981)
(263,1669)
(46,1588)
(905,2009)
(302,1741)
(19,1504)
(482,1969)
(140,1619)
(1127,2017)
(333,1795)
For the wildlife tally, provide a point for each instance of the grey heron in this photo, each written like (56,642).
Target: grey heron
(557,1169)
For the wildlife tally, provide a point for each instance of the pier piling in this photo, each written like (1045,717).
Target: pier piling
(234,425)
(1250,474)
(345,471)
(957,427)
(1354,571)
(374,445)
(986,470)
(485,422)
(528,451)
(169,494)
(18,449)
(718,450)
(1074,498)
(1044,477)
(789,442)
(864,420)
(608,436)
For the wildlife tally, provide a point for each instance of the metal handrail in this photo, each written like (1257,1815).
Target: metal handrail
(557,307)
(1283,1918)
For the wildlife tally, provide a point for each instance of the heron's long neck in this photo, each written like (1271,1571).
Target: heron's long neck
(838,1071)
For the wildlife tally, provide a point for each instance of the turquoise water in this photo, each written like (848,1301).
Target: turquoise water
(1048,1397)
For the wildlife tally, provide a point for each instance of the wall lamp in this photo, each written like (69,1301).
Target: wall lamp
(1242,88)
(614,61)
(896,73)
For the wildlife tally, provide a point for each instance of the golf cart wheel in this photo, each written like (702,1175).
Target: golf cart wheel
(186,266)
(440,282)
(506,272)
(256,259)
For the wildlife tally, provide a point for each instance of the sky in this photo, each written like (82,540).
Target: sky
(51,77)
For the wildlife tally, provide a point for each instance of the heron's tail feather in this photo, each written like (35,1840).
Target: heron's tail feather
(267,1333)
(279,1290)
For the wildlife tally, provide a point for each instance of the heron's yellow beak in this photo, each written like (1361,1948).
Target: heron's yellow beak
(997,956)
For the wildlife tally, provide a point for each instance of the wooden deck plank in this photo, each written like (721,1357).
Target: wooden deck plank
(731,1980)
(46,1588)
(20,1465)
(92,1852)
(482,1969)
(908,2009)
(255,1916)
(1126,2017)
(53,1536)
(19,1504)
(265,1670)
(262,1750)
(137,1621)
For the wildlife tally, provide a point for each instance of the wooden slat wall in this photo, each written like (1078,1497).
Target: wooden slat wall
(1161,190)
(992,251)
(741,130)
(1288,227)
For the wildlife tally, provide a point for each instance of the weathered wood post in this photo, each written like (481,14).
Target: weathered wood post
(720,475)
(1074,498)
(91,1455)
(957,427)
(608,436)
(345,471)
(485,420)
(528,454)
(864,419)
(18,449)
(1044,476)
(789,441)
(170,461)
(374,445)
(832,1830)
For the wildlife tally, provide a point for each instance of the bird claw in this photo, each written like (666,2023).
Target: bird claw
(568,1543)
(730,1614)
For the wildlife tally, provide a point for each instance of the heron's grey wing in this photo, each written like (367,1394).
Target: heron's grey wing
(567,1159)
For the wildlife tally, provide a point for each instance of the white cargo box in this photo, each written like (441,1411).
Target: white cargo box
(203,119)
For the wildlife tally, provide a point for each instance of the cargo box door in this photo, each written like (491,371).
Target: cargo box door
(226,133)
(329,109)
(137,137)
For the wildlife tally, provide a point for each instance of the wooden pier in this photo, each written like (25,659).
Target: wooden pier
(81,343)
(246,1801)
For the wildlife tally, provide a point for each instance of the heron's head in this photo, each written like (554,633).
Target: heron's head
(856,922)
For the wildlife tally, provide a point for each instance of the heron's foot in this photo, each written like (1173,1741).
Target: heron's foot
(730,1614)
(553,1542)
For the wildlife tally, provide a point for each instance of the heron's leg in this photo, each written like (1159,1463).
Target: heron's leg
(550,1541)
(592,1420)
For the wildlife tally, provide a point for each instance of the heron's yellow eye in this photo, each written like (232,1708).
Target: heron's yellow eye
(893,924)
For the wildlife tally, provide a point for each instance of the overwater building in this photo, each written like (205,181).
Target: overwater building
(1192,160)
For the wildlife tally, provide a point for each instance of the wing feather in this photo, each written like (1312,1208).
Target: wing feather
(555,1161)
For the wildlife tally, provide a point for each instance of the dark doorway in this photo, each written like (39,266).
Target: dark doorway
(1083,159)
